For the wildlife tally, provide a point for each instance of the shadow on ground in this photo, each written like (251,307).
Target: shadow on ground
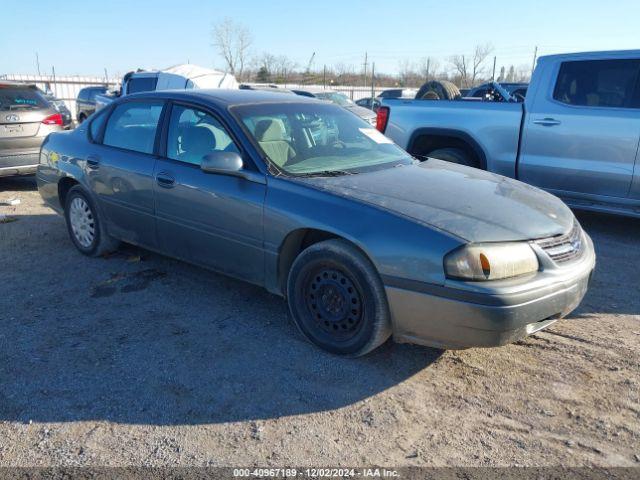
(23,183)
(143,339)
(139,338)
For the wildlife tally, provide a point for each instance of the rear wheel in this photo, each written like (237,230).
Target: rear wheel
(337,299)
(84,224)
(454,155)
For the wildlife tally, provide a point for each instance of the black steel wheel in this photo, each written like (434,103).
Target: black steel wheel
(337,300)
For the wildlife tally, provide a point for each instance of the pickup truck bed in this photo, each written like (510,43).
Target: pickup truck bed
(577,134)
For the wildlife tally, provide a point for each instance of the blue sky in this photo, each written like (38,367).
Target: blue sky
(84,37)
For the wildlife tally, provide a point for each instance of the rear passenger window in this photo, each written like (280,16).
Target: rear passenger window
(133,125)
(96,125)
(598,83)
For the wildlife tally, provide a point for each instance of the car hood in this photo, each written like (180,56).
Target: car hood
(362,112)
(471,204)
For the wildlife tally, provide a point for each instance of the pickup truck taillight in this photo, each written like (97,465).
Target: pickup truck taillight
(55,119)
(382,119)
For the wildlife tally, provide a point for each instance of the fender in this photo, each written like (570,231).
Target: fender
(446,132)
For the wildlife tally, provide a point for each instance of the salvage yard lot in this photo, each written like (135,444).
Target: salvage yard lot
(137,359)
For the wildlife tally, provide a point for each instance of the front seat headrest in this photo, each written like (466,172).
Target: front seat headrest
(270,130)
(196,142)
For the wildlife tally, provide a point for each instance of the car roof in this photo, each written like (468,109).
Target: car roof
(12,83)
(227,98)
(603,55)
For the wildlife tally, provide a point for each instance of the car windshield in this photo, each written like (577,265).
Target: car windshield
(337,98)
(312,139)
(20,98)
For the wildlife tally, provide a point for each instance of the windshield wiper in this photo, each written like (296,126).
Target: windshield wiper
(327,173)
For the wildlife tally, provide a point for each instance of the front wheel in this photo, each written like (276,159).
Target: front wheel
(337,300)
(85,227)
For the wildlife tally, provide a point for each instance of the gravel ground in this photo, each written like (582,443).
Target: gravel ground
(137,359)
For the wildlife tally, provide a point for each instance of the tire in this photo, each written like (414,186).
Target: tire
(84,225)
(454,155)
(438,90)
(337,300)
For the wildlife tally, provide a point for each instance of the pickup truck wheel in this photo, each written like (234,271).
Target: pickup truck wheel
(454,155)
(337,300)
(85,226)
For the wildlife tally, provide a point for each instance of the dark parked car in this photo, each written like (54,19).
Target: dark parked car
(86,101)
(26,118)
(345,102)
(398,93)
(60,107)
(369,103)
(311,202)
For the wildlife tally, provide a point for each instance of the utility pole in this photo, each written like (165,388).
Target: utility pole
(38,63)
(493,75)
(426,77)
(373,80)
(324,77)
(535,57)
(365,68)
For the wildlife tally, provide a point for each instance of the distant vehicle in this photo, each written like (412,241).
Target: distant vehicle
(60,107)
(86,101)
(265,88)
(576,134)
(370,103)
(489,92)
(398,93)
(303,93)
(26,118)
(345,102)
(180,77)
(307,200)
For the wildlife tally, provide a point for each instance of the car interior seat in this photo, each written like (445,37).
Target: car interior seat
(271,136)
(195,143)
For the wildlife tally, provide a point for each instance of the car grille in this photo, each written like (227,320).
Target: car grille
(564,248)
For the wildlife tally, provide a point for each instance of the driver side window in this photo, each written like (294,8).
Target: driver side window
(193,134)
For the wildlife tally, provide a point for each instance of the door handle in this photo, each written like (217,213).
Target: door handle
(93,162)
(547,122)
(165,180)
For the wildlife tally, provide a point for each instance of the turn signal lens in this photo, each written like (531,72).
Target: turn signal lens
(491,261)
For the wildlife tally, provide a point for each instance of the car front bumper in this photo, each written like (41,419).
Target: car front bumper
(462,315)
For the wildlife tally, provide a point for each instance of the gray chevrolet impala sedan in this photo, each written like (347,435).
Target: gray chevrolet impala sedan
(309,201)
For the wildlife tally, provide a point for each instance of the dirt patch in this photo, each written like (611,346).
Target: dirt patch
(137,359)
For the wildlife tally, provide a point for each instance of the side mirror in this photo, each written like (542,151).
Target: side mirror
(225,163)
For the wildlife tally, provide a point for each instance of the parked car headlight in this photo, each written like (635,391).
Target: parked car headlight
(491,261)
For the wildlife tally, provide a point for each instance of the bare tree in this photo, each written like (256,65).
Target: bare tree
(268,61)
(469,68)
(427,68)
(232,41)
(284,65)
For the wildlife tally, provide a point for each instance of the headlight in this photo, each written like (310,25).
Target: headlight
(490,261)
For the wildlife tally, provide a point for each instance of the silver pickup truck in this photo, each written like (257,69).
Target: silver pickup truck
(576,134)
